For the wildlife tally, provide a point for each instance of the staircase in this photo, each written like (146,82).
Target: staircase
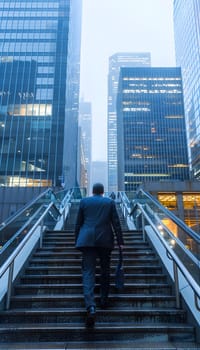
(47,304)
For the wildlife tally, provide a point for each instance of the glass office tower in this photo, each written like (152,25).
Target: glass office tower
(151,131)
(187,45)
(39,90)
(85,122)
(121,59)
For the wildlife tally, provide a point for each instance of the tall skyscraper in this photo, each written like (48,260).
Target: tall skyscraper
(39,92)
(187,45)
(82,175)
(151,130)
(85,122)
(121,59)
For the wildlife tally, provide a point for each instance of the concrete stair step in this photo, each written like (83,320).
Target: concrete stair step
(134,288)
(150,333)
(77,300)
(70,247)
(77,269)
(64,315)
(58,253)
(129,243)
(70,234)
(70,237)
(77,262)
(77,255)
(139,344)
(73,278)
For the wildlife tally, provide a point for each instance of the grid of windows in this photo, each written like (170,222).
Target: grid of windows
(187,44)
(152,142)
(122,59)
(34,61)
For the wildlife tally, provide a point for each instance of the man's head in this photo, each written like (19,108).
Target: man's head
(98,188)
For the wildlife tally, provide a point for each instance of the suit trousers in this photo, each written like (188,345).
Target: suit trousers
(89,261)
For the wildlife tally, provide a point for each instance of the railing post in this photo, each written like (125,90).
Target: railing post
(176,282)
(10,278)
(41,232)
(196,302)
(143,230)
(63,215)
(124,210)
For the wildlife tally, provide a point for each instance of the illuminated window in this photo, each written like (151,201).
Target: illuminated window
(38,110)
(168,200)
(191,200)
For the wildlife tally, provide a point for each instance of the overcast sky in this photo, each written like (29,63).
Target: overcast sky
(111,26)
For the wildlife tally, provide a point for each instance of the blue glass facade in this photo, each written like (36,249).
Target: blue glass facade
(187,45)
(152,144)
(85,122)
(37,99)
(116,61)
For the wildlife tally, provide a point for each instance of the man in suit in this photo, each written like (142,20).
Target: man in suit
(97,218)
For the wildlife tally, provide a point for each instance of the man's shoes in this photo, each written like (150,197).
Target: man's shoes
(90,318)
(104,302)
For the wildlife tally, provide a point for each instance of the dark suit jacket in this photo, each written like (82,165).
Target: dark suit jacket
(97,218)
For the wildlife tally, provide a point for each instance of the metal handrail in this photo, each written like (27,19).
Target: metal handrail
(176,263)
(8,243)
(9,263)
(178,241)
(20,211)
(125,204)
(173,217)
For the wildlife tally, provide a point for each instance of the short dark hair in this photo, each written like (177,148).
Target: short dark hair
(98,188)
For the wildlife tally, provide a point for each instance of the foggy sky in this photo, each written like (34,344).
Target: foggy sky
(111,26)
